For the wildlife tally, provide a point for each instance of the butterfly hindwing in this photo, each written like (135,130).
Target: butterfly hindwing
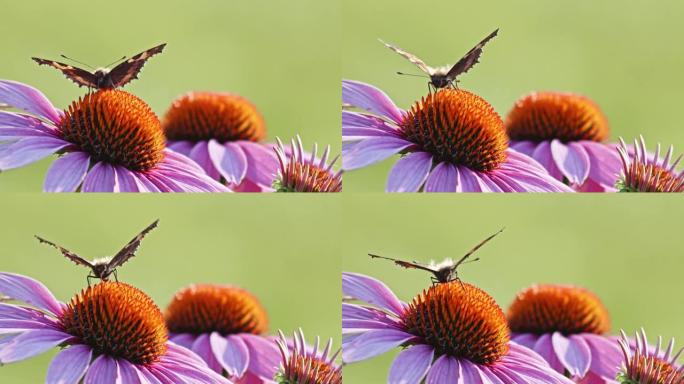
(470,59)
(79,76)
(129,69)
(128,251)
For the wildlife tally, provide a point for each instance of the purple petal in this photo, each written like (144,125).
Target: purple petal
(374,343)
(442,178)
(409,173)
(262,163)
(129,373)
(527,340)
(30,150)
(573,353)
(544,348)
(356,126)
(232,353)
(373,150)
(103,370)
(183,147)
(445,370)
(14,126)
(572,160)
(29,291)
(200,154)
(230,160)
(470,373)
(202,347)
(371,99)
(526,147)
(67,172)
(101,178)
(264,356)
(145,184)
(468,180)
(371,291)
(126,180)
(411,365)
(605,163)
(543,155)
(185,340)
(31,343)
(27,98)
(606,356)
(69,366)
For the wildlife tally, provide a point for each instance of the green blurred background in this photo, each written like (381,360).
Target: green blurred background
(282,55)
(627,249)
(281,248)
(625,55)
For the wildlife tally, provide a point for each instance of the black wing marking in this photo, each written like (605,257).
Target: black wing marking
(67,253)
(404,264)
(129,250)
(475,248)
(410,57)
(470,59)
(79,76)
(129,69)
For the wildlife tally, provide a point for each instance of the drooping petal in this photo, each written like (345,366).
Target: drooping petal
(67,173)
(200,154)
(29,150)
(468,180)
(605,163)
(202,347)
(445,370)
(371,99)
(409,173)
(372,291)
(103,370)
(14,126)
(572,160)
(262,163)
(543,155)
(126,181)
(232,353)
(69,366)
(31,343)
(470,373)
(101,178)
(356,126)
(411,365)
(264,356)
(606,357)
(230,160)
(373,343)
(544,348)
(443,178)
(371,151)
(573,353)
(27,98)
(129,373)
(29,291)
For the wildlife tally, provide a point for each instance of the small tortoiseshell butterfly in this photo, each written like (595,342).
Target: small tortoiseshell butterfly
(442,77)
(104,267)
(105,78)
(443,272)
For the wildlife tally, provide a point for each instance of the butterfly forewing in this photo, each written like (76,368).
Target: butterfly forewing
(67,253)
(470,59)
(128,251)
(410,57)
(129,69)
(79,76)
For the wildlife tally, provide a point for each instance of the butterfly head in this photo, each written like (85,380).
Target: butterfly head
(445,270)
(101,268)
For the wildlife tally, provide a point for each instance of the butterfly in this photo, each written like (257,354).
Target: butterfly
(442,77)
(105,78)
(445,271)
(103,268)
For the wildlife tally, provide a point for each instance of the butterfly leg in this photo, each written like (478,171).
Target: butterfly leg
(116,277)
(90,277)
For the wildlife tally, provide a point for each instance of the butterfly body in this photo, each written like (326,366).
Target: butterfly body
(105,78)
(443,272)
(446,76)
(103,268)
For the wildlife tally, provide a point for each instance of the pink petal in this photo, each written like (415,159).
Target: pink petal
(31,343)
(101,178)
(29,291)
(443,178)
(27,98)
(371,291)
(232,353)
(69,366)
(409,173)
(445,370)
(230,161)
(67,172)
(370,98)
(411,365)
(572,160)
(374,343)
(573,353)
(373,150)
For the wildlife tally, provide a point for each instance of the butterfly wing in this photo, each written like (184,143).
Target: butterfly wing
(402,263)
(475,248)
(67,253)
(410,57)
(129,69)
(470,59)
(129,250)
(79,76)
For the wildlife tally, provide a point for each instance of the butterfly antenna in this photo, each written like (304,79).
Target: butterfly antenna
(412,74)
(116,61)
(483,242)
(76,61)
